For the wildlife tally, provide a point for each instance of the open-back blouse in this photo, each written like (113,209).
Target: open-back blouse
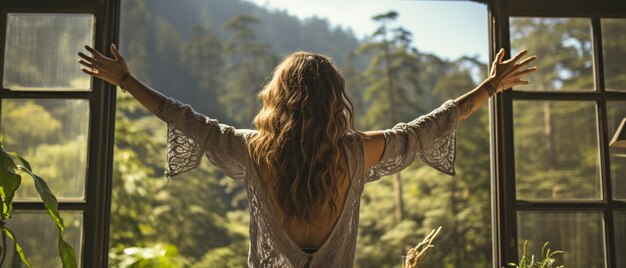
(191,135)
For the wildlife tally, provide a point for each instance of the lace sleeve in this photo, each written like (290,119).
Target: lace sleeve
(432,136)
(190,135)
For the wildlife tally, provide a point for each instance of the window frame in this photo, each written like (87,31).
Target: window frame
(97,203)
(96,207)
(504,203)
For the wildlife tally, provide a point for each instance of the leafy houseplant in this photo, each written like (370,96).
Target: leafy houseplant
(547,258)
(12,167)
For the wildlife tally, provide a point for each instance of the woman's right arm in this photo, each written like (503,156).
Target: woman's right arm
(115,71)
(503,75)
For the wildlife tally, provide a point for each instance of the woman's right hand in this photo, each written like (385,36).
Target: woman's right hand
(509,73)
(503,75)
(97,65)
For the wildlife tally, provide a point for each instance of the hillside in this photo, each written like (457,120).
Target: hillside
(154,35)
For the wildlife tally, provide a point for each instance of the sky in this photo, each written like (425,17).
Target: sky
(449,29)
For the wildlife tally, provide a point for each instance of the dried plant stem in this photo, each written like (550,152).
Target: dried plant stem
(417,255)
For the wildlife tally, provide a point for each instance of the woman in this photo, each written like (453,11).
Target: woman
(305,165)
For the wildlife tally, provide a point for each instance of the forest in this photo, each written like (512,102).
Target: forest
(217,66)
(215,55)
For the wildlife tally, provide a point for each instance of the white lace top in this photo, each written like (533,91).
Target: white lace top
(191,135)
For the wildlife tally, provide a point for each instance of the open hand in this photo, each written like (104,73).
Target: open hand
(509,73)
(97,65)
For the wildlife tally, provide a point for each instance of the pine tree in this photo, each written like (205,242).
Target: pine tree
(393,60)
(202,57)
(249,62)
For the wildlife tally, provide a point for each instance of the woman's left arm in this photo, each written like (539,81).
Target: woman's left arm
(503,75)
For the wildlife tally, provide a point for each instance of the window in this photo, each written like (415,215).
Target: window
(195,61)
(59,120)
(556,179)
(552,167)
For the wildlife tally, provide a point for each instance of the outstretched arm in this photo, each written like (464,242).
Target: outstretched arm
(190,135)
(115,71)
(503,75)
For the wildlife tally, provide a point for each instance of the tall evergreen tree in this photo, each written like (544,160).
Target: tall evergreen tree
(202,57)
(390,74)
(249,63)
(217,204)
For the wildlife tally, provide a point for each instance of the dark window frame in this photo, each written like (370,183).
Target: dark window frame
(504,203)
(97,203)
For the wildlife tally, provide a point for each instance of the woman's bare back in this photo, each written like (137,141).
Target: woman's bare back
(315,236)
(306,236)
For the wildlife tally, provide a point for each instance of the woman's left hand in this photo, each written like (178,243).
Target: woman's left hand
(97,65)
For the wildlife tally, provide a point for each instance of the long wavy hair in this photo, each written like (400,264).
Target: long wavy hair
(301,128)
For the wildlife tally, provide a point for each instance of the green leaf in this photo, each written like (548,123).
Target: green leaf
(9,182)
(20,161)
(66,252)
(48,198)
(17,248)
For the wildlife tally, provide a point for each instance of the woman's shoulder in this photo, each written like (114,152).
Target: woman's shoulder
(353,142)
(245,133)
(353,138)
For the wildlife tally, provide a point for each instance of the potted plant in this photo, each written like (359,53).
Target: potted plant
(12,167)
(547,259)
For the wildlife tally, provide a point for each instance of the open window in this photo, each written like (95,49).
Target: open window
(60,120)
(556,179)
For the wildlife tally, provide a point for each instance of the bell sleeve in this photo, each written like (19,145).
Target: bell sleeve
(191,135)
(431,136)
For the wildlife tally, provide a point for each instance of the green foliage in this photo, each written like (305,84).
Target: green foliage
(547,166)
(17,248)
(430,199)
(552,169)
(392,90)
(249,62)
(12,166)
(223,257)
(190,212)
(547,258)
(215,81)
(158,255)
(9,182)
(203,57)
(16,117)
(204,214)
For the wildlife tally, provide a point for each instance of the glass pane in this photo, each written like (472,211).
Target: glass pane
(52,136)
(620,238)
(614,50)
(616,113)
(563,48)
(556,150)
(41,51)
(37,234)
(580,235)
